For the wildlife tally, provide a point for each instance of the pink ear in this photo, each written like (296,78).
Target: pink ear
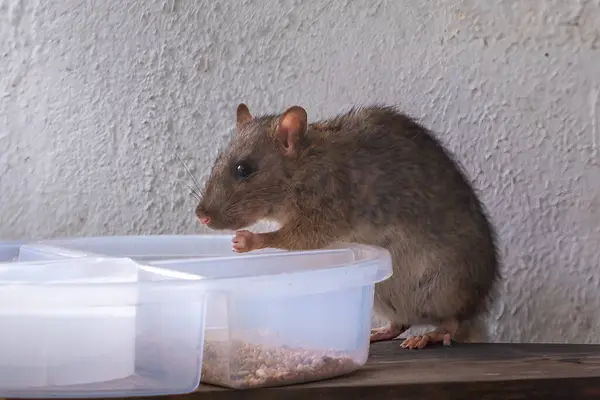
(243,114)
(292,126)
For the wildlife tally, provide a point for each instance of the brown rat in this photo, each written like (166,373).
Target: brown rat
(375,176)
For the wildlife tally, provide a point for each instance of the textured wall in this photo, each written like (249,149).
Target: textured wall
(98,97)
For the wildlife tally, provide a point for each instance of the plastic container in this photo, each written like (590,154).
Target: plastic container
(285,318)
(98,327)
(273,317)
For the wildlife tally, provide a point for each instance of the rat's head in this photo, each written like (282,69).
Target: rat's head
(250,178)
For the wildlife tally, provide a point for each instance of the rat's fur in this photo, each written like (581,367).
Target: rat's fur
(374,176)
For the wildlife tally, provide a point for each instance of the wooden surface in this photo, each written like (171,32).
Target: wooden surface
(462,371)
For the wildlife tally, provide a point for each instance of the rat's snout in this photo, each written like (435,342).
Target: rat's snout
(213,218)
(201,215)
(215,213)
(210,216)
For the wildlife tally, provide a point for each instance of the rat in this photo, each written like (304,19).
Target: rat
(372,175)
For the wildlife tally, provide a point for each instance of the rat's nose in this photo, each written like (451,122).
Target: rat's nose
(201,215)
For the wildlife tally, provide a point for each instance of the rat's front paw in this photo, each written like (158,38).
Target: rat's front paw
(244,241)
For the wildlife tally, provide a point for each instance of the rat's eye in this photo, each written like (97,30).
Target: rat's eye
(243,170)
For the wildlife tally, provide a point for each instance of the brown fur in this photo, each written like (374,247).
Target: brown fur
(374,176)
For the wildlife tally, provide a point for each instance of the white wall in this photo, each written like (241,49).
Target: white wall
(98,97)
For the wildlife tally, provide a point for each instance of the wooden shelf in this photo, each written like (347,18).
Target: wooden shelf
(462,371)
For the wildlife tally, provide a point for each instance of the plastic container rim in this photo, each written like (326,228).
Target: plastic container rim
(378,257)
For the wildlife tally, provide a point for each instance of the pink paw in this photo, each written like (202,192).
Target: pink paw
(422,341)
(243,241)
(389,332)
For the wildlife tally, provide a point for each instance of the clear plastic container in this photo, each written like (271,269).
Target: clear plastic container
(285,318)
(273,317)
(98,327)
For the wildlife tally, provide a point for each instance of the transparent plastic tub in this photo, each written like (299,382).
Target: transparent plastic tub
(294,317)
(274,317)
(98,327)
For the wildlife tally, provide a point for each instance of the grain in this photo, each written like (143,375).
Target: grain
(243,365)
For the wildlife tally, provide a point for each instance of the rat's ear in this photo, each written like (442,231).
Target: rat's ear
(243,114)
(291,127)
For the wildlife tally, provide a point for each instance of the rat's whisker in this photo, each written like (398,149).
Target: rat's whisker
(195,196)
(198,187)
(193,192)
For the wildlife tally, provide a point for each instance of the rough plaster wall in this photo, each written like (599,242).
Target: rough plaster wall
(98,97)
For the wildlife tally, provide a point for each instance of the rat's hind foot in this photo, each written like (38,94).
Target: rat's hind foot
(421,341)
(389,332)
(443,335)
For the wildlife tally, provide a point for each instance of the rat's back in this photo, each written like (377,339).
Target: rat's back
(410,196)
(400,169)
